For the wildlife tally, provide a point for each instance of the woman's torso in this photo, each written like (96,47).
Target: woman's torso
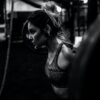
(57,70)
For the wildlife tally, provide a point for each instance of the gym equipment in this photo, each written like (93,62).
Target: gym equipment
(84,76)
(8,52)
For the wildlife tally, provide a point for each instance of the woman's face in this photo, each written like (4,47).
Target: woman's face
(37,38)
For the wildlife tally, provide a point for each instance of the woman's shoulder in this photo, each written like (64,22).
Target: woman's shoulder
(67,50)
(67,44)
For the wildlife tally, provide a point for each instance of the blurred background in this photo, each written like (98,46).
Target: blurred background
(79,13)
(25,78)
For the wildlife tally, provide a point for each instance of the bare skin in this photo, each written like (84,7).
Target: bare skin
(63,62)
(52,44)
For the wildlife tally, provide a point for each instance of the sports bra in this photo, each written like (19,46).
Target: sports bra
(56,75)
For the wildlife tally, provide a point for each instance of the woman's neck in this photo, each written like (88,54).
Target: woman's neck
(53,44)
(52,48)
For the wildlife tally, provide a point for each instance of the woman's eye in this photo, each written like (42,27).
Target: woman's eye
(32,31)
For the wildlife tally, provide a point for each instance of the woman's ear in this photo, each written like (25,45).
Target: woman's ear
(47,29)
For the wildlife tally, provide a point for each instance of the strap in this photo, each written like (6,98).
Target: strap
(68,44)
(58,51)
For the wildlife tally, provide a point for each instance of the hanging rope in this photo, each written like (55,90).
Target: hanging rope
(8,50)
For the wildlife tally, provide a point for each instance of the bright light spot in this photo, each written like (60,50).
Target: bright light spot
(58,8)
(85,1)
(78,40)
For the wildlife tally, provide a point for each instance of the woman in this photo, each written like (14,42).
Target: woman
(42,29)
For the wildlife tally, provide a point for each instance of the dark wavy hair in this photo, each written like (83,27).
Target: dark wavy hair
(41,18)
